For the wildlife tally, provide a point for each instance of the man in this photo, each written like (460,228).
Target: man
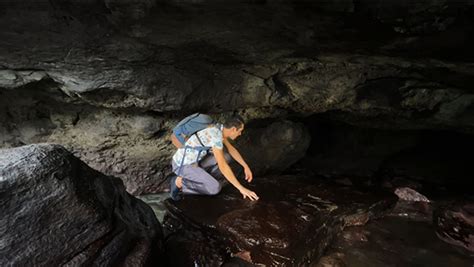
(190,164)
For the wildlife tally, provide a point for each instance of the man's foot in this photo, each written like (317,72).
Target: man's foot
(245,255)
(174,188)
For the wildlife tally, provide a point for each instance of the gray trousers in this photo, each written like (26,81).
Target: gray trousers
(204,178)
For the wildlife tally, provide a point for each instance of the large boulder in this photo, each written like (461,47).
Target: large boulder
(275,146)
(65,213)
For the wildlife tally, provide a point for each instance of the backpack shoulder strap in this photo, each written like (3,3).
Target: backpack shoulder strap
(199,139)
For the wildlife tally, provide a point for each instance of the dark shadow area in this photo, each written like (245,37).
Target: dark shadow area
(439,160)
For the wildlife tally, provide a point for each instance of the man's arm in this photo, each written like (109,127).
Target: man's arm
(229,174)
(236,155)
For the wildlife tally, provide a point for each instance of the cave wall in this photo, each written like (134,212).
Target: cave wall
(109,79)
(131,144)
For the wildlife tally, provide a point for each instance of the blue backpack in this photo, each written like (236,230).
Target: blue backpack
(189,126)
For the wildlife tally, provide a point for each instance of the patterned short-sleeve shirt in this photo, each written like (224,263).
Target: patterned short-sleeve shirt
(210,137)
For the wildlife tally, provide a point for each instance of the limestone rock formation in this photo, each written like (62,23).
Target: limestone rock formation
(58,211)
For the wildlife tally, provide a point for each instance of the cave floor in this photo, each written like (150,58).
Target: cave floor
(387,241)
(393,241)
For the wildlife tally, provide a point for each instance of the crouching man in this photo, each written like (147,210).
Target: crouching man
(202,155)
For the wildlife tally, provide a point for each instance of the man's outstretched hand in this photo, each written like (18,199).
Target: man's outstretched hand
(248,174)
(248,194)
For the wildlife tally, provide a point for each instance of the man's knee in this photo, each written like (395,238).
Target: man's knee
(215,188)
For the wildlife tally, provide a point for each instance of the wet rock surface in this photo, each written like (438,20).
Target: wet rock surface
(292,223)
(454,224)
(416,211)
(58,211)
(393,241)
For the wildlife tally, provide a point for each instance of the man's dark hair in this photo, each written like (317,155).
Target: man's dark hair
(233,121)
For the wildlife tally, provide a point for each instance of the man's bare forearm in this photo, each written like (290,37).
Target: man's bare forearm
(229,175)
(235,154)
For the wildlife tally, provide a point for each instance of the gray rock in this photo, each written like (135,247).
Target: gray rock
(408,194)
(58,211)
(275,146)
(213,67)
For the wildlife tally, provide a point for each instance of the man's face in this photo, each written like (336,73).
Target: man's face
(236,132)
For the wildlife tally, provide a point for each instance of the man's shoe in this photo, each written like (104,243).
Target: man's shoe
(174,190)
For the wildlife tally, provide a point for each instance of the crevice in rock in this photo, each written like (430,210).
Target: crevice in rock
(159,134)
(76,119)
